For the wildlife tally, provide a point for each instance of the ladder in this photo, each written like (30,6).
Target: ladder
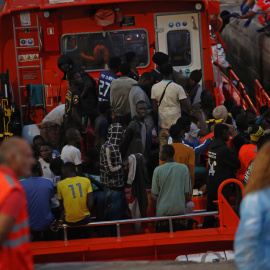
(35,68)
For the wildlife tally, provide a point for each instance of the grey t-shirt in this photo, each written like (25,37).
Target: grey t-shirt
(119,96)
(170,183)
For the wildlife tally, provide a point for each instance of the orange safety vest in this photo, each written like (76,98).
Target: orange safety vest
(247,153)
(15,252)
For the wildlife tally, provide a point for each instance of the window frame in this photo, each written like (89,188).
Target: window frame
(118,30)
(191,47)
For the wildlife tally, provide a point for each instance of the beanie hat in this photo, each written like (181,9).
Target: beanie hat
(220,112)
(160,58)
(255,133)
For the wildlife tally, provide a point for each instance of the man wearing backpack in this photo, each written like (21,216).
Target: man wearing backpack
(168,98)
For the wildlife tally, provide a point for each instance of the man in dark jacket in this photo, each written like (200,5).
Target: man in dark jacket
(222,165)
(87,89)
(137,137)
(137,140)
(73,107)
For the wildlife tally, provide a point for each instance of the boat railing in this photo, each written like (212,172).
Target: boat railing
(227,216)
(241,92)
(261,96)
(117,223)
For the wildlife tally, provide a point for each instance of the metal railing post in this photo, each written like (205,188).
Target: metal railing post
(118,230)
(65,233)
(171,225)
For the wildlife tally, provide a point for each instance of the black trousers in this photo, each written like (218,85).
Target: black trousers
(79,232)
(178,225)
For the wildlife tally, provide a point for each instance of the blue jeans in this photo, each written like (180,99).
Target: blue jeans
(115,207)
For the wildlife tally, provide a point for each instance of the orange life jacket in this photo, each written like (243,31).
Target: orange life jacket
(247,153)
(15,252)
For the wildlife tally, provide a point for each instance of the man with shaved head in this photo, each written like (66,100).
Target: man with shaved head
(16,159)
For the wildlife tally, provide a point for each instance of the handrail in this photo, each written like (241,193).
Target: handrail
(138,220)
(245,100)
(261,96)
(222,201)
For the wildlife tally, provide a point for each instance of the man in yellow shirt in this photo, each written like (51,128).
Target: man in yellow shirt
(75,197)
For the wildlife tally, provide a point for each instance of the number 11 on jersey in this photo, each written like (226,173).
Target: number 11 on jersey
(73,190)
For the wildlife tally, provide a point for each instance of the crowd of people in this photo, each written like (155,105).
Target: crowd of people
(137,148)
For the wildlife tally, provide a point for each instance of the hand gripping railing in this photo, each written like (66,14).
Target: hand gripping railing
(138,220)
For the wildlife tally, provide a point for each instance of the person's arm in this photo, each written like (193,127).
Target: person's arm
(155,111)
(155,105)
(86,90)
(188,185)
(103,131)
(230,159)
(127,139)
(108,163)
(77,160)
(88,84)
(90,200)
(238,141)
(203,146)
(192,145)
(77,119)
(6,224)
(203,131)
(95,182)
(260,120)
(61,206)
(62,214)
(251,14)
(186,104)
(154,199)
(155,190)
(262,117)
(198,148)
(249,232)
(191,168)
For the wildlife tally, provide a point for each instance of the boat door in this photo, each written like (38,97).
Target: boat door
(178,35)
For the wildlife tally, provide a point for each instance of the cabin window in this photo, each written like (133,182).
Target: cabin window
(92,51)
(179,49)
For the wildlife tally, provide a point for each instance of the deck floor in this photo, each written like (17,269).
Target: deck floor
(142,265)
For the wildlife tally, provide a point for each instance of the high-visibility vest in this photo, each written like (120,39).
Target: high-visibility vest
(247,153)
(265,7)
(15,252)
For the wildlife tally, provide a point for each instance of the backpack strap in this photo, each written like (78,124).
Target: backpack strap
(162,96)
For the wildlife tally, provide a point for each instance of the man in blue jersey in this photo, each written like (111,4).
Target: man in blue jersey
(39,192)
(105,79)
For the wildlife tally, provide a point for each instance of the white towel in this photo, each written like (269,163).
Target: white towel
(132,163)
